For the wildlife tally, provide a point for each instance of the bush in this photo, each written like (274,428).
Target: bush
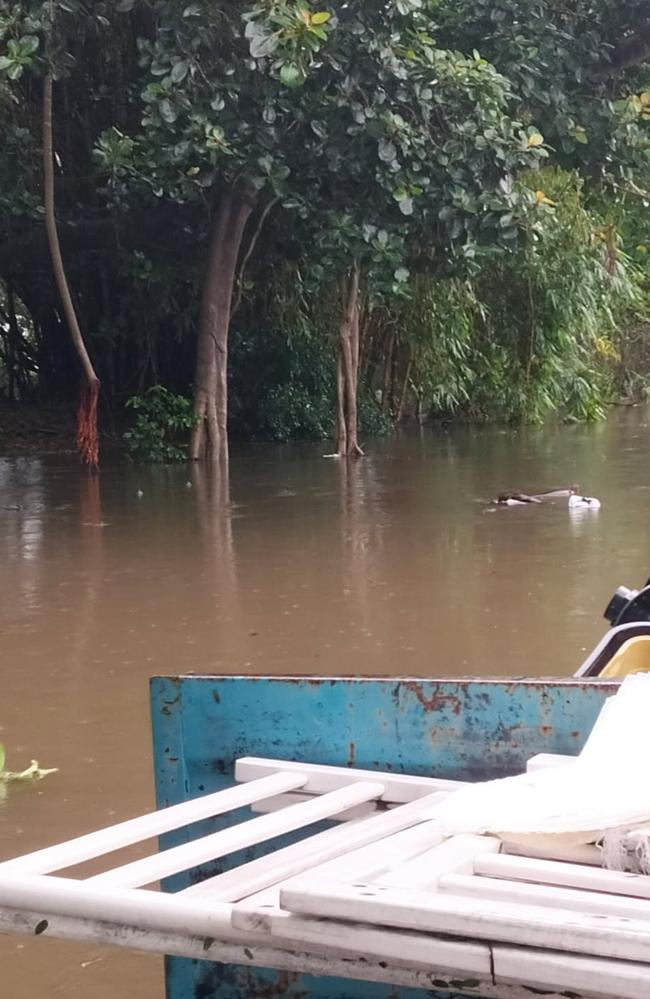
(163,419)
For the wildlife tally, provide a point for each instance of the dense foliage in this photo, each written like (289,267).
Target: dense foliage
(473,176)
(157,434)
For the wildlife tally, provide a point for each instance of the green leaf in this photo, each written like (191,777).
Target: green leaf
(29,44)
(124,6)
(5,63)
(179,71)
(291,75)
(387,151)
(167,111)
(263,45)
(193,10)
(320,17)
(3,757)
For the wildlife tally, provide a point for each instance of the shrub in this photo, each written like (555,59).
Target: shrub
(163,420)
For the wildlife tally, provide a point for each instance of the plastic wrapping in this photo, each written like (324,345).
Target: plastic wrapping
(604,791)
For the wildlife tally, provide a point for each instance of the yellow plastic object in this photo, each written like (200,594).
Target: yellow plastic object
(632,657)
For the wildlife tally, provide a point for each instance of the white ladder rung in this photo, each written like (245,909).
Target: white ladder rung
(399,788)
(599,903)
(551,872)
(149,910)
(181,858)
(103,841)
(279,801)
(329,847)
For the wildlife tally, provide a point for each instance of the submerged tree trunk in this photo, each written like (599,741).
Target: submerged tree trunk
(87,437)
(210,434)
(347,380)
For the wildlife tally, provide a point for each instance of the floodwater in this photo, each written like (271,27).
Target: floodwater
(395,564)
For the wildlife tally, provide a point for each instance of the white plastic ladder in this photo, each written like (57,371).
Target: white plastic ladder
(379,896)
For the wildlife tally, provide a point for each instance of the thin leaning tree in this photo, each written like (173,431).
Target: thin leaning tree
(87,434)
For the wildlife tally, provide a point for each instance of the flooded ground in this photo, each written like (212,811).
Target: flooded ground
(395,564)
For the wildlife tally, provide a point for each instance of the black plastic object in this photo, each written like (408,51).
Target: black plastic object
(629,605)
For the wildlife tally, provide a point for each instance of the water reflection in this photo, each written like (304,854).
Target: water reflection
(90,558)
(362,524)
(211,484)
(582,517)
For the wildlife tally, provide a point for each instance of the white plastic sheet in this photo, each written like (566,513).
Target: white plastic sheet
(606,789)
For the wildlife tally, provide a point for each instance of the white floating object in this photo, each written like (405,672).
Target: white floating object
(584,502)
(139,494)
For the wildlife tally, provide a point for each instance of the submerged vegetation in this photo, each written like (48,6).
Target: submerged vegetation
(297,221)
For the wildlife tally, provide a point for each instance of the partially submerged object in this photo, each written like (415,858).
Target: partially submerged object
(577,502)
(585,502)
(33,772)
(513,497)
(516,497)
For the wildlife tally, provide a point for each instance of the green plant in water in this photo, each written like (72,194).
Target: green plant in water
(162,420)
(33,771)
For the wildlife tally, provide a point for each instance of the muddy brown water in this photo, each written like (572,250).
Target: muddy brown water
(396,564)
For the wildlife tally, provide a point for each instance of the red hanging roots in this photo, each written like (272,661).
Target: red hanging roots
(87,436)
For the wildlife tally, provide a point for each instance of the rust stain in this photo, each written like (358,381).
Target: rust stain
(352,752)
(281,987)
(505,732)
(437,701)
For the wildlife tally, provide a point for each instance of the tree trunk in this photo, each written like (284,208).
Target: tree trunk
(388,371)
(348,369)
(405,385)
(210,434)
(87,438)
(341,425)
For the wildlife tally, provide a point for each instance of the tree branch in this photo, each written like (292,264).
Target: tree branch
(249,252)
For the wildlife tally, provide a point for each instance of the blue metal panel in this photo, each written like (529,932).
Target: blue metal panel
(467,729)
